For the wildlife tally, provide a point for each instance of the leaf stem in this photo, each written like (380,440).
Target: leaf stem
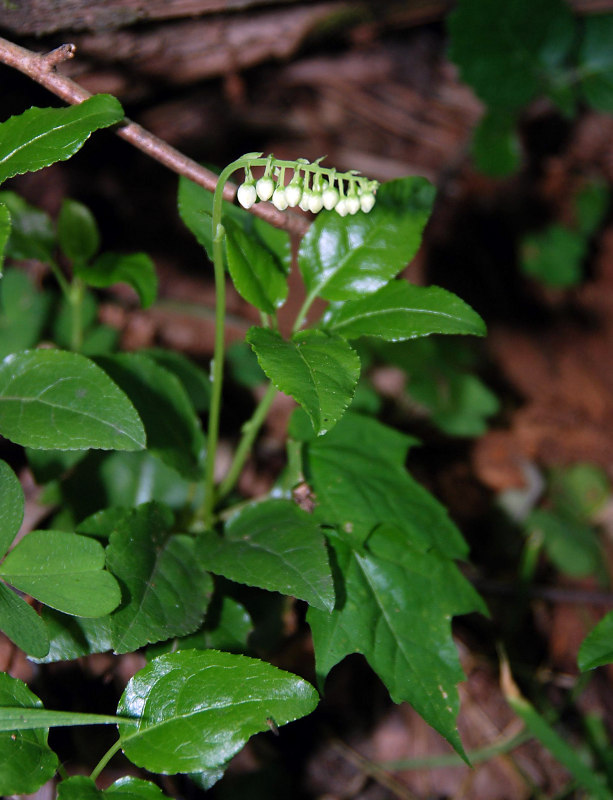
(304,310)
(249,432)
(75,298)
(105,760)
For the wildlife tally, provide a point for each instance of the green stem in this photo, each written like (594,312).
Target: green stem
(105,760)
(249,432)
(59,277)
(304,310)
(75,298)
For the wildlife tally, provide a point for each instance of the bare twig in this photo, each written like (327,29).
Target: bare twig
(41,68)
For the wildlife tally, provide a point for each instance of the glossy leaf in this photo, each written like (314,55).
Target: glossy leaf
(135,269)
(276,546)
(174,433)
(320,371)
(597,647)
(346,258)
(52,399)
(197,709)
(254,271)
(596,62)
(129,788)
(11,506)
(400,311)
(357,473)
(21,624)
(41,136)
(73,637)
(168,588)
(5,232)
(77,231)
(194,379)
(398,599)
(26,760)
(12,717)
(23,312)
(32,234)
(64,571)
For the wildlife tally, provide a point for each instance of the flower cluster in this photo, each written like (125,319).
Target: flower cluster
(311,188)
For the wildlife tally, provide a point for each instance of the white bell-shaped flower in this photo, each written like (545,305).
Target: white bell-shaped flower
(247,194)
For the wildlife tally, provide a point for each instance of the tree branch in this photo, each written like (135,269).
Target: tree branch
(41,68)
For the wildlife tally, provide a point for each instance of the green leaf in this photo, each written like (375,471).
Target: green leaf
(591,206)
(572,545)
(5,232)
(320,371)
(275,239)
(554,256)
(79,788)
(402,311)
(27,719)
(167,585)
(243,365)
(495,147)
(254,271)
(135,269)
(276,546)
(41,136)
(595,62)
(195,380)
(509,52)
(346,258)
(597,647)
(52,399)
(32,232)
(64,571)
(11,506)
(399,597)
(23,312)
(77,231)
(461,403)
(129,788)
(201,708)
(74,637)
(26,760)
(47,465)
(580,491)
(22,624)
(174,432)
(358,475)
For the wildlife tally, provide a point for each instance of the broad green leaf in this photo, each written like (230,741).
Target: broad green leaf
(174,432)
(168,587)
(41,136)
(596,62)
(344,258)
(275,239)
(571,544)
(77,231)
(23,312)
(320,371)
(23,719)
(22,624)
(26,760)
(554,256)
(197,709)
(64,571)
(11,506)
(276,546)
(79,788)
(400,311)
(243,365)
(32,232)
(63,401)
(135,269)
(495,147)
(460,404)
(254,271)
(74,637)
(195,380)
(591,206)
(5,232)
(360,482)
(129,788)
(597,647)
(509,52)
(398,600)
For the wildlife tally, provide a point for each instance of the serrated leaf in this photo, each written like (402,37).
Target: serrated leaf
(23,312)
(343,258)
(41,136)
(597,647)
(359,484)
(5,232)
(399,597)
(74,637)
(135,269)
(32,232)
(400,311)
(320,371)
(596,62)
(26,760)
(22,624)
(129,788)
(64,571)
(77,231)
(202,707)
(168,588)
(174,432)
(195,380)
(12,504)
(254,272)
(276,546)
(57,400)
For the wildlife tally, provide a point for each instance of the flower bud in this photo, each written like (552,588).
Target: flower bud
(246,194)
(367,201)
(315,202)
(305,200)
(330,197)
(279,198)
(293,193)
(341,207)
(353,203)
(265,188)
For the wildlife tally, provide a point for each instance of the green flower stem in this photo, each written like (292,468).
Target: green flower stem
(75,298)
(249,432)
(59,277)
(105,760)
